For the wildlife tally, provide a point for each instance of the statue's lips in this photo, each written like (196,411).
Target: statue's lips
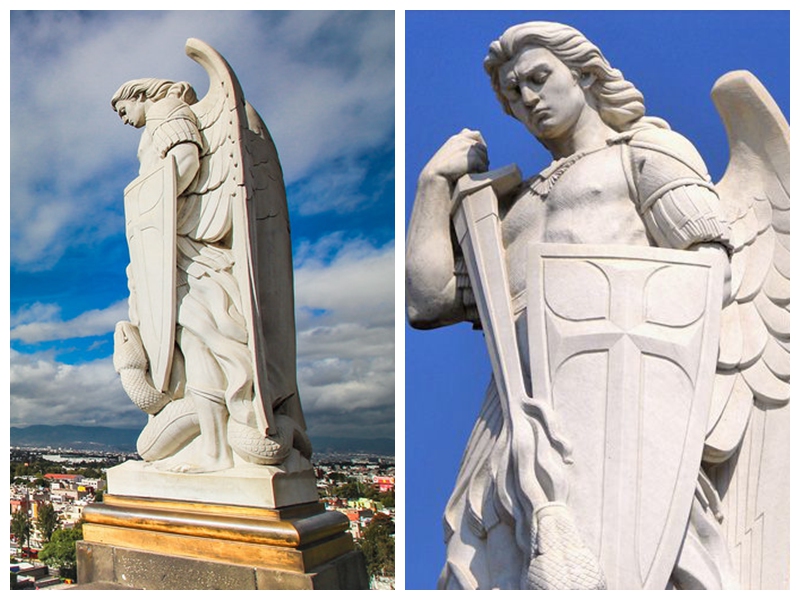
(539,115)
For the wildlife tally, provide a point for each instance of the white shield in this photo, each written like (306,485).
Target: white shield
(623,343)
(150,225)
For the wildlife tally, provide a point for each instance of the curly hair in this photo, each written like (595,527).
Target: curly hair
(620,104)
(154,89)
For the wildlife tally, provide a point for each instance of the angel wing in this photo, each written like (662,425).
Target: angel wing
(748,440)
(240,175)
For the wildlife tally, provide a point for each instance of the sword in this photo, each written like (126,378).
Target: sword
(476,221)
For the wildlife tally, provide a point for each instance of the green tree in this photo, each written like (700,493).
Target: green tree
(387,499)
(47,521)
(377,544)
(92,473)
(60,551)
(21,528)
(351,490)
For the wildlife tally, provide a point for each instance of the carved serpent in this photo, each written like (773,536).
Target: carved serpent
(561,560)
(130,361)
(174,422)
(268,450)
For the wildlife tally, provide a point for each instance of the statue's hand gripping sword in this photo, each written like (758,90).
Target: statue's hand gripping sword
(558,558)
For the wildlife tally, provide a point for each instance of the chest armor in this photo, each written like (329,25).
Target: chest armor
(588,202)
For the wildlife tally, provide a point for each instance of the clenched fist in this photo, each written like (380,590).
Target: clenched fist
(463,153)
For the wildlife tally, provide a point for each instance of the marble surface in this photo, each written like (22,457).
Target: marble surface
(292,483)
(209,348)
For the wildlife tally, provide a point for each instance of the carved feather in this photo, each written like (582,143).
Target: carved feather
(220,114)
(755,195)
(728,428)
(241,168)
(730,340)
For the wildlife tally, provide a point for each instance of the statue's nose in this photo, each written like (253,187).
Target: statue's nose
(529,96)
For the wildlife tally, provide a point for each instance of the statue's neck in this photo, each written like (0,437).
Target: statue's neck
(589,133)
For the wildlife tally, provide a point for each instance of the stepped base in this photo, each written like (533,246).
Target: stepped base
(149,543)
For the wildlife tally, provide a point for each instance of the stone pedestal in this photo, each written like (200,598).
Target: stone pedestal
(246,538)
(244,485)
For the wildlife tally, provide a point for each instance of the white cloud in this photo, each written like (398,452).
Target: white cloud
(324,83)
(345,328)
(44,390)
(338,191)
(40,322)
(346,336)
(36,312)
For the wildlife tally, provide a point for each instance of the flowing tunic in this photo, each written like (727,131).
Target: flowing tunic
(210,323)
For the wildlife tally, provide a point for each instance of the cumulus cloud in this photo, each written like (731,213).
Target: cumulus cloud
(41,322)
(350,279)
(338,191)
(345,342)
(345,345)
(44,390)
(324,83)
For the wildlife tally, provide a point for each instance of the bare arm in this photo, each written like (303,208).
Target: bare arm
(432,297)
(187,162)
(431,294)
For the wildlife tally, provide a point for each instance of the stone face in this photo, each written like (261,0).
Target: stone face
(632,332)
(209,350)
(95,562)
(136,569)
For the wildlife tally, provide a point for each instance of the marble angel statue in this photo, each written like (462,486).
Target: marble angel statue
(635,432)
(209,352)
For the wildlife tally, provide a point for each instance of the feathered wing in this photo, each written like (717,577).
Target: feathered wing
(240,172)
(748,441)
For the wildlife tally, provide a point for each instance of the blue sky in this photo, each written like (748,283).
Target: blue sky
(674,58)
(324,84)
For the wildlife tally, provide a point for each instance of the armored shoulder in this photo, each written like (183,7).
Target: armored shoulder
(171,122)
(673,190)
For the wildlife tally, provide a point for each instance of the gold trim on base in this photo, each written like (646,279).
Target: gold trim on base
(294,539)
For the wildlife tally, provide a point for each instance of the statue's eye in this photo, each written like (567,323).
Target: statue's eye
(512,91)
(540,77)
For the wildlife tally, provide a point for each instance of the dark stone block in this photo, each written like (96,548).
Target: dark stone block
(271,579)
(151,571)
(353,572)
(95,562)
(108,567)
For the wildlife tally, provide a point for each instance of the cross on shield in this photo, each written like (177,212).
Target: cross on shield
(623,342)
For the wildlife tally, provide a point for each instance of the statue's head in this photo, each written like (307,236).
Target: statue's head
(131,98)
(619,104)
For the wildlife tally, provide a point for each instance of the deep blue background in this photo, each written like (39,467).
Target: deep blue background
(674,58)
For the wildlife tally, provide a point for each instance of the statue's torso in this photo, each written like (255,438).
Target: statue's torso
(147,154)
(590,203)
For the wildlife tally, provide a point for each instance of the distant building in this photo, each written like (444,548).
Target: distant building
(385,484)
(64,477)
(20,503)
